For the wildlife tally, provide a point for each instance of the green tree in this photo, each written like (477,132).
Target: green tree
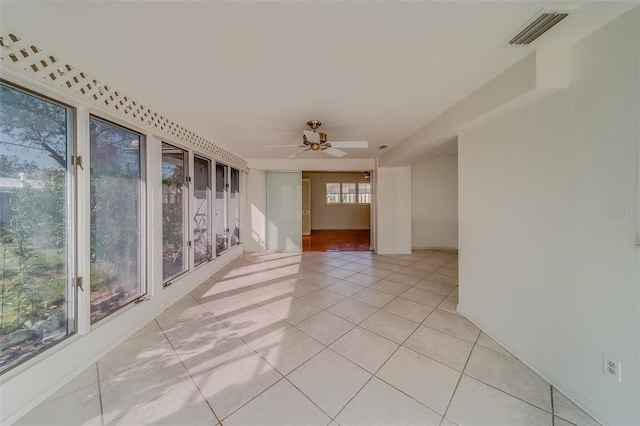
(34,122)
(33,233)
(12,166)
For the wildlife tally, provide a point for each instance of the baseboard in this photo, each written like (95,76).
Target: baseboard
(434,248)
(342,229)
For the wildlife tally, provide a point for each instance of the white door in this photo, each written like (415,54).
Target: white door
(284,216)
(306,206)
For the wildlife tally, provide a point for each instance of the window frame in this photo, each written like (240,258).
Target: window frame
(341,194)
(338,194)
(186,211)
(144,261)
(210,208)
(72,299)
(231,218)
(363,193)
(226,206)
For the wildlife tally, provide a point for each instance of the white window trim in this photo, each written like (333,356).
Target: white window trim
(340,203)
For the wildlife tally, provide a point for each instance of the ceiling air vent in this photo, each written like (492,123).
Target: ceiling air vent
(540,25)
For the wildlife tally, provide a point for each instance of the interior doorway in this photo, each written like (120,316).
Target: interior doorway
(306,207)
(338,209)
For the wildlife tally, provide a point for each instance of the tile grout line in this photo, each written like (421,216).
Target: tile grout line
(507,393)
(372,374)
(397,349)
(100,394)
(246,403)
(460,378)
(325,347)
(306,396)
(553,408)
(376,372)
(190,375)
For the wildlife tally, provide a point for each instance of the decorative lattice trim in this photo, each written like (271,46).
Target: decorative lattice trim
(32,61)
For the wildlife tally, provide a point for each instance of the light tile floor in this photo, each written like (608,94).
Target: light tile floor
(313,339)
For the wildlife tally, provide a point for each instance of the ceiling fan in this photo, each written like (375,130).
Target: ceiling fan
(317,141)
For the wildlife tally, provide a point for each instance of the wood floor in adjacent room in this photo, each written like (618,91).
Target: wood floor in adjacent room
(337,240)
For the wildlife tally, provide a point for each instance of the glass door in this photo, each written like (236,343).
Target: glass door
(284,211)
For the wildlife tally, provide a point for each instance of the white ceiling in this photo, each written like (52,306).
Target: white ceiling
(249,74)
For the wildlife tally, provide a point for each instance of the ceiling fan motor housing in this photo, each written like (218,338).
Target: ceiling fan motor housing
(314,124)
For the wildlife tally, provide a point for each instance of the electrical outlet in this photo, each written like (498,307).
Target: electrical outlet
(612,367)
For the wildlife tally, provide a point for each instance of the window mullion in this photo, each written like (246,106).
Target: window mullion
(83,224)
(190,210)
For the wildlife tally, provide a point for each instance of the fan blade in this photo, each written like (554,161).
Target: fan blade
(297,153)
(335,152)
(278,146)
(312,136)
(349,144)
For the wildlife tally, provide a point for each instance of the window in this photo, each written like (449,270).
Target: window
(222,243)
(202,210)
(364,193)
(234,207)
(117,277)
(348,193)
(37,298)
(333,193)
(227,207)
(175,259)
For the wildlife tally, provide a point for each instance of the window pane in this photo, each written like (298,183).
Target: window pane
(348,192)
(333,193)
(221,209)
(201,203)
(234,207)
(364,193)
(36,297)
(116,233)
(174,212)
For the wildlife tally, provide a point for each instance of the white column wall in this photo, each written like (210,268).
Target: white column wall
(255,235)
(549,197)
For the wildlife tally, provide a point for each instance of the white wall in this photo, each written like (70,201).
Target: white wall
(549,201)
(255,234)
(393,210)
(332,216)
(434,203)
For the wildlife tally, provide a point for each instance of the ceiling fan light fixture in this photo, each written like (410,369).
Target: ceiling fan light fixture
(318,141)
